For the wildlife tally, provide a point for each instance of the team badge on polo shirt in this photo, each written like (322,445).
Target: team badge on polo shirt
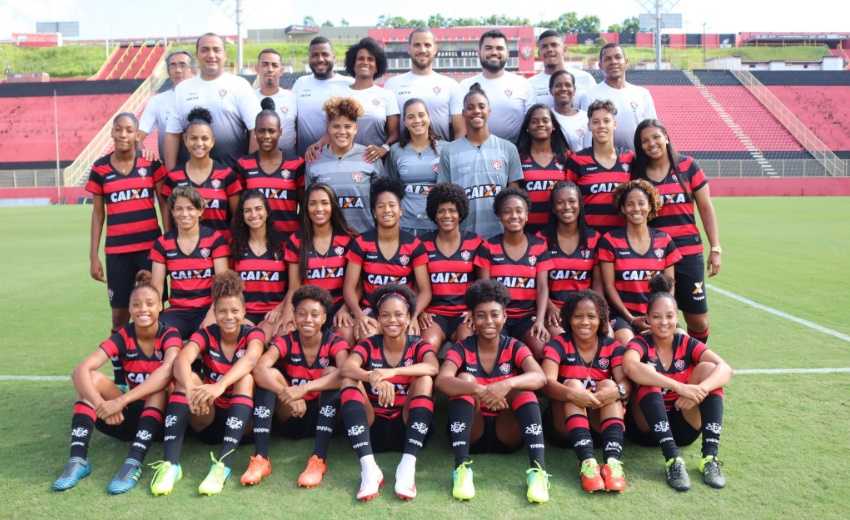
(509,92)
(437,89)
(404,259)
(634,105)
(215,183)
(222,92)
(376,102)
(436,168)
(284,110)
(659,253)
(532,260)
(142,171)
(465,255)
(357,177)
(497,165)
(205,252)
(339,250)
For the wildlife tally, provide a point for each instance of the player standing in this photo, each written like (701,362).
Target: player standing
(180,66)
(550,49)
(270,70)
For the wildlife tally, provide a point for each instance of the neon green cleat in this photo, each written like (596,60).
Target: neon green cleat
(464,488)
(167,474)
(218,475)
(709,466)
(538,485)
(677,474)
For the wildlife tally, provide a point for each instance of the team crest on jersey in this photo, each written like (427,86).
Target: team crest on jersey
(157,354)
(634,105)
(376,102)
(408,362)
(585,253)
(240,353)
(110,293)
(505,368)
(509,93)
(437,89)
(323,362)
(436,168)
(659,253)
(497,165)
(357,177)
(625,167)
(285,174)
(339,250)
(222,92)
(679,364)
(205,252)
(215,183)
(465,255)
(404,259)
(559,166)
(580,132)
(527,52)
(284,110)
(603,363)
(532,260)
(142,172)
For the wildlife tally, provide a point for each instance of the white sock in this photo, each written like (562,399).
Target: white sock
(408,463)
(367,463)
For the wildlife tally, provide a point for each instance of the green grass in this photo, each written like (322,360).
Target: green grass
(692,57)
(783,438)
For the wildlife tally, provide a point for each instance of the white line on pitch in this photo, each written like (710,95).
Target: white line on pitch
(771,310)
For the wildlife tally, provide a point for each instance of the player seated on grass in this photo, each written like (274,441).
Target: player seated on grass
(394,370)
(584,399)
(298,386)
(680,393)
(219,408)
(490,380)
(132,412)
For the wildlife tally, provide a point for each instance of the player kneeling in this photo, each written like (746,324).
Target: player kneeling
(491,381)
(144,349)
(217,410)
(298,384)
(396,370)
(578,365)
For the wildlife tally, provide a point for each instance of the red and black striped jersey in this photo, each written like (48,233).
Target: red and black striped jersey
(686,354)
(137,366)
(597,183)
(371,351)
(538,182)
(519,276)
(509,358)
(293,363)
(378,270)
(214,362)
(324,270)
(562,350)
(219,186)
(265,280)
(131,221)
(676,216)
(632,271)
(571,272)
(280,187)
(450,275)
(192,274)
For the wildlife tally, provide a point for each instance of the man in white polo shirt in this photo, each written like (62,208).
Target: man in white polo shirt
(550,49)
(269,70)
(181,66)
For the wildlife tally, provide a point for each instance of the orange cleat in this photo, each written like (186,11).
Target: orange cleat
(590,479)
(312,476)
(612,474)
(258,468)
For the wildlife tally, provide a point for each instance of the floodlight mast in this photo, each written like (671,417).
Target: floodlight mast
(237,15)
(656,8)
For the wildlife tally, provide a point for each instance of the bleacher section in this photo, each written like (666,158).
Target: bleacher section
(824,109)
(130,62)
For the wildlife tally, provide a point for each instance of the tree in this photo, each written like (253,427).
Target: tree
(567,22)
(328,23)
(414,23)
(343,23)
(589,24)
(631,25)
(615,28)
(437,20)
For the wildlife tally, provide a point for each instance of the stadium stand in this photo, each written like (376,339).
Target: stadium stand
(130,62)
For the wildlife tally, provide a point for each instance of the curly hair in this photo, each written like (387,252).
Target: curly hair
(621,192)
(239,232)
(143,281)
(315,293)
(483,291)
(598,301)
(339,225)
(200,116)
(601,104)
(475,88)
(445,193)
(660,286)
(557,141)
(337,107)
(510,191)
(374,48)
(393,290)
(550,230)
(404,138)
(186,192)
(226,285)
(382,185)
(641,160)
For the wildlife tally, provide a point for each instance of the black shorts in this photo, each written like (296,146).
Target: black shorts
(255,318)
(448,325)
(619,323)
(300,427)
(551,435)
(329,323)
(489,441)
(126,431)
(517,327)
(683,433)
(187,321)
(121,270)
(690,284)
(388,434)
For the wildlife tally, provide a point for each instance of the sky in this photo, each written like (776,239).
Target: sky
(101,19)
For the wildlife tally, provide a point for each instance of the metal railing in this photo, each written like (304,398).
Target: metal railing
(831,163)
(780,168)
(145,63)
(28,178)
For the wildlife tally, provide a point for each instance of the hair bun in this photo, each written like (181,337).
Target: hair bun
(200,114)
(143,277)
(660,283)
(267,103)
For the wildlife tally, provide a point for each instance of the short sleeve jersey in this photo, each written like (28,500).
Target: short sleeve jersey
(214,362)
(286,106)
(540,81)
(130,200)
(634,104)
(379,270)
(509,359)
(138,367)
(482,171)
(218,187)
(310,94)
(265,280)
(155,117)
(676,217)
(574,128)
(327,270)
(442,96)
(418,172)
(510,95)
(563,351)
(519,276)
(450,275)
(686,354)
(597,184)
(538,181)
(279,186)
(632,271)
(351,177)
(371,352)
(378,104)
(192,274)
(293,363)
(573,271)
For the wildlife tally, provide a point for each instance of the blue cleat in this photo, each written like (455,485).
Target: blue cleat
(126,478)
(76,469)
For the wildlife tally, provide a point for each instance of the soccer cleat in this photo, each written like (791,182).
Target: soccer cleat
(711,473)
(538,485)
(213,484)
(612,474)
(405,483)
(167,474)
(464,488)
(677,474)
(591,480)
(312,475)
(258,468)
(370,484)
(76,470)
(126,478)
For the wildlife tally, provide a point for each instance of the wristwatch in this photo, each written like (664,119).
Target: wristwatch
(717,249)
(622,390)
